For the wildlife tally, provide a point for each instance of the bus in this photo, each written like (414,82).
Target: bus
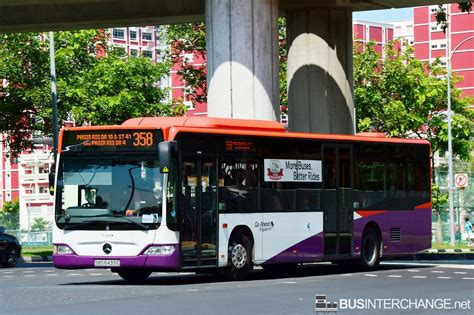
(224,195)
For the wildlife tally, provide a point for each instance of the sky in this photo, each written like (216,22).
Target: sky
(384,15)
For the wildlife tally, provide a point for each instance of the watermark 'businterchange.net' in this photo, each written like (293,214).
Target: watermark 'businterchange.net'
(322,305)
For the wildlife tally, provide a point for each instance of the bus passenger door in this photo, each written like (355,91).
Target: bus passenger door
(337,199)
(198,212)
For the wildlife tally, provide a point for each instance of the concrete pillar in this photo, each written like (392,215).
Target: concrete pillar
(320,75)
(242,59)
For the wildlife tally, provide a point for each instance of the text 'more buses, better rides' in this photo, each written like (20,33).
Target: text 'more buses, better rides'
(214,194)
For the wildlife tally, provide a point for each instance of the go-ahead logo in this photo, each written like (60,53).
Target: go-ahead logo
(264,226)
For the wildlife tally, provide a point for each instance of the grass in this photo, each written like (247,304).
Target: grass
(462,245)
(37,251)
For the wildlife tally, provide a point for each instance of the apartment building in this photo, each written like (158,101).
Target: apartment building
(456,43)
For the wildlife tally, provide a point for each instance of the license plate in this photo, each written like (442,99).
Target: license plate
(107,263)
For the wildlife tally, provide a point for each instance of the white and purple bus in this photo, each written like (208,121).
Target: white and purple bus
(209,194)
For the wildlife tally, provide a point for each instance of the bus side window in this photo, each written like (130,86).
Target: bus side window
(238,185)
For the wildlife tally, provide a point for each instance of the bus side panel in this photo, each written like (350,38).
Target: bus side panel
(278,237)
(290,237)
(403,232)
(227,224)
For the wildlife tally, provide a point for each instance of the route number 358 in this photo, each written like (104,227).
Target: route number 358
(142,139)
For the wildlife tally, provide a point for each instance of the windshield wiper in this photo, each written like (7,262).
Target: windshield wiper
(88,222)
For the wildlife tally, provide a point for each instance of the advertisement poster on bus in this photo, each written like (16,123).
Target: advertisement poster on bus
(292,170)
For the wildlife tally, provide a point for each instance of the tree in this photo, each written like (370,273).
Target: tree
(10,215)
(97,83)
(441,16)
(189,38)
(403,97)
(438,200)
(40,224)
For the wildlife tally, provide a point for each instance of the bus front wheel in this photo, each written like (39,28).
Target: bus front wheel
(134,275)
(370,250)
(240,258)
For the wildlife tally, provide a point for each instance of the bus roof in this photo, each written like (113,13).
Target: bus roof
(171,126)
(206,122)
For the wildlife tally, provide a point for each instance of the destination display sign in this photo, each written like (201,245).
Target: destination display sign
(239,146)
(111,140)
(292,170)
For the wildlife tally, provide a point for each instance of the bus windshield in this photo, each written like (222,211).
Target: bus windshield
(116,193)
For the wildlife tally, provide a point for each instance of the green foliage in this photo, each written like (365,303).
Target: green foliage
(96,83)
(404,97)
(185,39)
(10,215)
(40,224)
(438,199)
(22,60)
(441,16)
(283,65)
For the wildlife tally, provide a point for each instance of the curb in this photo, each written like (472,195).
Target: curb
(449,251)
(31,259)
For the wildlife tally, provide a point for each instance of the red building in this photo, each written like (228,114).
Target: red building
(431,42)
(9,179)
(366,31)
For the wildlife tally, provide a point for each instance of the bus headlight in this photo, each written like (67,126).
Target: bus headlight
(160,250)
(62,250)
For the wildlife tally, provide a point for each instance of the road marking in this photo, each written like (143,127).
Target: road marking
(30,275)
(192,290)
(394,276)
(419,277)
(444,277)
(437,271)
(413,270)
(460,272)
(49,270)
(52,274)
(73,274)
(95,274)
(445,266)
(28,271)
(370,275)
(347,274)
(468,278)
(289,282)
(7,276)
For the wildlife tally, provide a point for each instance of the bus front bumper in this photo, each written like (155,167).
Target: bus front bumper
(155,262)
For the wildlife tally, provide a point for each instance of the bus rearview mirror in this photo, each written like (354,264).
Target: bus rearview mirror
(166,150)
(52,175)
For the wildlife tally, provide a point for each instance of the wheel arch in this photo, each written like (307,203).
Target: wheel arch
(374,226)
(242,230)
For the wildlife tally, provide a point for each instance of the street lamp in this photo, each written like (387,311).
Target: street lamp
(450,144)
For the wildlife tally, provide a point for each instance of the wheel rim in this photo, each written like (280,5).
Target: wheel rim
(12,257)
(369,249)
(239,256)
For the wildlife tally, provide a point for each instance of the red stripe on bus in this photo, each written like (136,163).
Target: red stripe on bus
(368,213)
(424,206)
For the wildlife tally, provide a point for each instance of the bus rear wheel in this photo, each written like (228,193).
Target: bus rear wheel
(240,258)
(134,275)
(370,250)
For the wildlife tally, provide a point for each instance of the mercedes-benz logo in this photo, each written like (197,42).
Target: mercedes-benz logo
(107,248)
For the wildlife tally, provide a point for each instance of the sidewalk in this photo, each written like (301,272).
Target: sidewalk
(430,254)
